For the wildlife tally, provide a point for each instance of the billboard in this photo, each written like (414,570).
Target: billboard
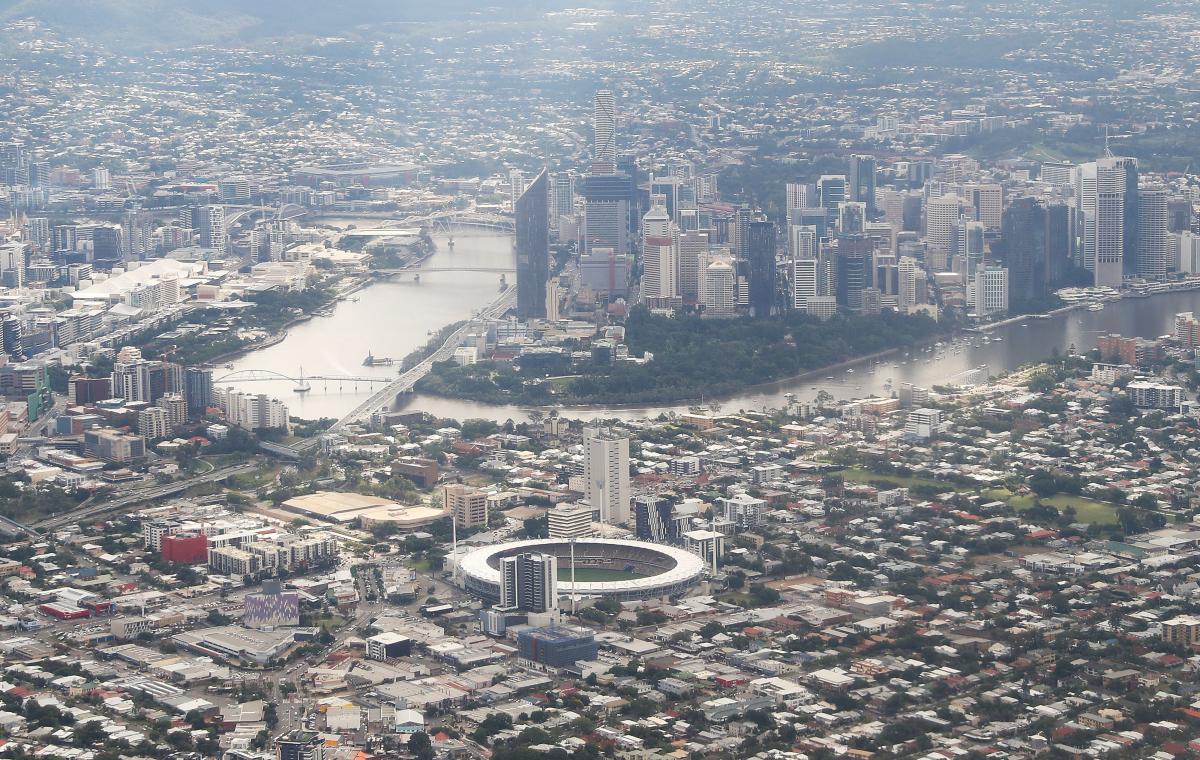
(271,610)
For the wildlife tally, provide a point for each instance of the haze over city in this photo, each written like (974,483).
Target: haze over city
(646,381)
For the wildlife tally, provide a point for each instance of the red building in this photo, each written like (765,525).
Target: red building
(185,548)
(63,612)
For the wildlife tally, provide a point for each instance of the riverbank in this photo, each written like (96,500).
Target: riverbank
(689,360)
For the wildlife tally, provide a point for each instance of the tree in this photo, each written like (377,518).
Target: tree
(420,745)
(536,527)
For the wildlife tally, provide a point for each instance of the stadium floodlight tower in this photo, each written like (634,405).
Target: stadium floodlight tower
(454,545)
(574,595)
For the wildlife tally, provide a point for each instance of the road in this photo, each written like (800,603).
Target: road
(143,494)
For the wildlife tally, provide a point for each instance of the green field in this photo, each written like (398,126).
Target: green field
(596,574)
(861,475)
(1086,510)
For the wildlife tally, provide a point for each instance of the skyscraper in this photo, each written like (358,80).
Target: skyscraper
(718,290)
(653,519)
(1153,219)
(831,190)
(862,181)
(1025,250)
(1102,199)
(991,291)
(210,220)
(853,265)
(562,201)
(660,271)
(606,200)
(107,247)
(198,389)
(529,582)
(606,469)
(941,214)
(804,282)
(533,248)
(604,131)
(761,257)
(692,250)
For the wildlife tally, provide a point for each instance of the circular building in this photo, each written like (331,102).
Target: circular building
(614,568)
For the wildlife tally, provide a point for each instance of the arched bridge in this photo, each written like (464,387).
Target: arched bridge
(301,381)
(431,270)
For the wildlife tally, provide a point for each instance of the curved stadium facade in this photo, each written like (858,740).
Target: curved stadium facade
(612,568)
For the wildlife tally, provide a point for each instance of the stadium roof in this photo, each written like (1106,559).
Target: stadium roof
(688,567)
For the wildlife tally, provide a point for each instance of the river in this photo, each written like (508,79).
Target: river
(392,319)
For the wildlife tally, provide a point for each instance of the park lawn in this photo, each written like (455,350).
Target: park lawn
(330,623)
(420,565)
(861,475)
(1086,510)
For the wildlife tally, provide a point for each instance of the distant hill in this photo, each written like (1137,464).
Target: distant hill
(142,24)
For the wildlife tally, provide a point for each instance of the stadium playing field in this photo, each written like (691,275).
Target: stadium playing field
(596,574)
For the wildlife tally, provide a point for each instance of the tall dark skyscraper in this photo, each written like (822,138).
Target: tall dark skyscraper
(198,390)
(1131,213)
(761,257)
(853,268)
(533,248)
(107,249)
(1062,244)
(653,519)
(862,181)
(1023,235)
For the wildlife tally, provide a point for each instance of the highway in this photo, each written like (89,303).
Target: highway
(406,381)
(142,494)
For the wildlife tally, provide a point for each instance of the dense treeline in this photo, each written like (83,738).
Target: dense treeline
(693,358)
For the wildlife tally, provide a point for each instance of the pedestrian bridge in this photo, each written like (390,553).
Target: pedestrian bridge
(302,381)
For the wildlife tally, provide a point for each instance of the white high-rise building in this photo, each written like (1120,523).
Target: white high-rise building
(804,282)
(606,468)
(797,195)
(12,264)
(660,269)
(604,126)
(252,410)
(991,291)
(911,285)
(131,380)
(941,214)
(101,179)
(1058,173)
(1100,199)
(1185,251)
(719,292)
(986,201)
(152,423)
(529,582)
(516,185)
(210,220)
(1153,223)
